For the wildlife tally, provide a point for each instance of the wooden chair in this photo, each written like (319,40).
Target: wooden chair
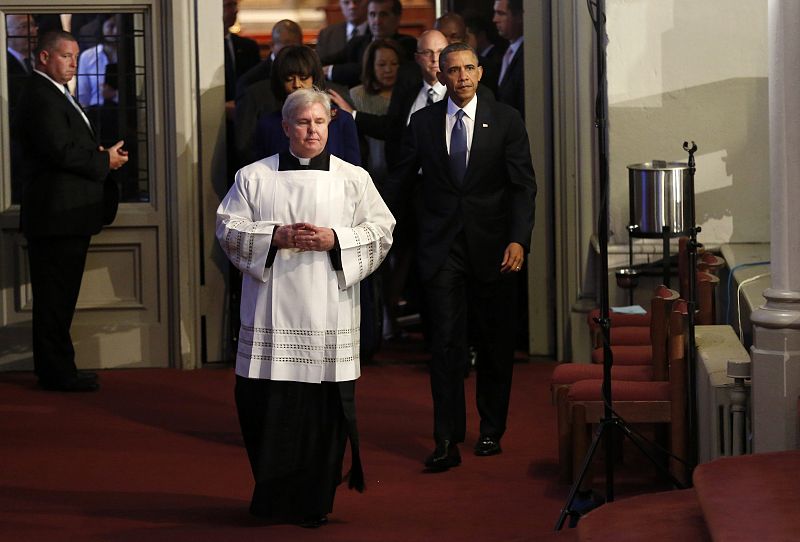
(657,401)
(653,366)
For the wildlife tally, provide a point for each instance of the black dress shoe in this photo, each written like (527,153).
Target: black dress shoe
(314,522)
(445,455)
(487,446)
(87,375)
(76,383)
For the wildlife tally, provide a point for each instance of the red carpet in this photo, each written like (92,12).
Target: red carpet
(156,455)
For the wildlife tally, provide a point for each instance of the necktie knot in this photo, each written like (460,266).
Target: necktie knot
(459,116)
(431,94)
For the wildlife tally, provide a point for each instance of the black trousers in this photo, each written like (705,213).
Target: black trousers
(447,296)
(56,266)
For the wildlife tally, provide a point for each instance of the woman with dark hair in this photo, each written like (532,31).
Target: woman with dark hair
(296,67)
(378,77)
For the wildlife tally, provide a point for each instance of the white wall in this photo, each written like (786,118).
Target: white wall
(693,70)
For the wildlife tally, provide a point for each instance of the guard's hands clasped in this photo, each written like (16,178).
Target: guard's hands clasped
(304,236)
(117,156)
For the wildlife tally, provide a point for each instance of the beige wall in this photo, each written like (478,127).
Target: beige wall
(687,70)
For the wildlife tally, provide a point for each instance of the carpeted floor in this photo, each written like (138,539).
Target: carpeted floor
(156,455)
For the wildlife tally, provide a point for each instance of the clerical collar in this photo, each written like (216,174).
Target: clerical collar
(289,162)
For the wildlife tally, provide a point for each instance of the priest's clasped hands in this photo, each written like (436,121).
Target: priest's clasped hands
(304,236)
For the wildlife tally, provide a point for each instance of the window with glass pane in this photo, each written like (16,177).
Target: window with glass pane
(110,86)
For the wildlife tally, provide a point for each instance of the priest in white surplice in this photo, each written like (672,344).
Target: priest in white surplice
(304,227)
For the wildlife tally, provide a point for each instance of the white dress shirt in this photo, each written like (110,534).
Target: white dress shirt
(468,118)
(439,91)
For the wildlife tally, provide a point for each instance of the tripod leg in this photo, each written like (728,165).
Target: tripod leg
(587,462)
(637,441)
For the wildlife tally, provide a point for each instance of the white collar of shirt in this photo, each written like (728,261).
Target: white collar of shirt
(422,97)
(468,118)
(303,161)
(469,109)
(355,30)
(487,50)
(59,86)
(437,87)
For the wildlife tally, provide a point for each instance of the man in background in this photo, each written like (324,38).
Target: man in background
(21,32)
(332,40)
(93,62)
(241,54)
(383,17)
(508,15)
(452,26)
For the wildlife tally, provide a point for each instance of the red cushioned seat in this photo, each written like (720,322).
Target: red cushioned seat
(619,319)
(621,390)
(669,516)
(630,335)
(660,401)
(626,354)
(569,373)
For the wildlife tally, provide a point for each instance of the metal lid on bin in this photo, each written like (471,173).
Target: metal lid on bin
(658,165)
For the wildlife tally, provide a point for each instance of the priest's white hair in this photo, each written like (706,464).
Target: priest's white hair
(304,97)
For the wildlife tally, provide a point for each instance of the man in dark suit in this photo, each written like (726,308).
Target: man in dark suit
(482,36)
(64,203)
(475,223)
(241,54)
(332,40)
(383,17)
(508,16)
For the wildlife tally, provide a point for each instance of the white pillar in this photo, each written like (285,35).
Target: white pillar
(776,325)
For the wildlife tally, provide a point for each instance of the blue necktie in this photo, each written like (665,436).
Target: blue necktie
(458,147)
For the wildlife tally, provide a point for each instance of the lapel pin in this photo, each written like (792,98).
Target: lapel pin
(485,125)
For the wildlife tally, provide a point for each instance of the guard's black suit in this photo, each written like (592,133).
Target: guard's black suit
(464,229)
(511,90)
(64,202)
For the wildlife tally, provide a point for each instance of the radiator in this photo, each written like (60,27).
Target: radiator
(716,345)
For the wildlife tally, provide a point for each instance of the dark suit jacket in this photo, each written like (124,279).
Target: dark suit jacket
(492,63)
(246,52)
(349,72)
(257,73)
(493,205)
(245,56)
(331,43)
(511,90)
(65,173)
(17,77)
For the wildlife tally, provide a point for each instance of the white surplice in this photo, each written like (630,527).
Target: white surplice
(300,317)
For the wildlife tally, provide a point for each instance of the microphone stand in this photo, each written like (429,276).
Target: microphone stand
(692,246)
(610,420)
